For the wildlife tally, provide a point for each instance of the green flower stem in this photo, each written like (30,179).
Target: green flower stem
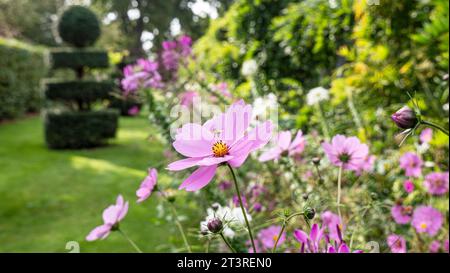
(323,122)
(180,227)
(242,207)
(283,227)
(138,250)
(339,193)
(227,243)
(431,124)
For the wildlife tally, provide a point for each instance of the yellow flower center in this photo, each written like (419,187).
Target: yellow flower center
(275,238)
(423,226)
(220,149)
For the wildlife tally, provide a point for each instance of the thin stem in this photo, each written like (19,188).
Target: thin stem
(339,192)
(242,207)
(323,122)
(278,237)
(227,243)
(138,250)
(180,227)
(431,124)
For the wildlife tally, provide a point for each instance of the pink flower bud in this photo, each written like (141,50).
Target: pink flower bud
(405,118)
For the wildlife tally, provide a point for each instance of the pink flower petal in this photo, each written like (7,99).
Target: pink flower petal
(100,232)
(110,214)
(271,154)
(208,161)
(184,164)
(284,140)
(301,236)
(200,178)
(194,141)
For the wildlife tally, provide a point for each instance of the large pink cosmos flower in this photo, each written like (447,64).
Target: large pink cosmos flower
(396,243)
(112,215)
(411,164)
(436,183)
(285,144)
(427,219)
(346,152)
(223,139)
(147,186)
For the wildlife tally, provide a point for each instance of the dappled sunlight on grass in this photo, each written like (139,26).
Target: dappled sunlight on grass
(80,163)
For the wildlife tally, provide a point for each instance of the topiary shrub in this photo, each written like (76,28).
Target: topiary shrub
(79,26)
(78,127)
(77,130)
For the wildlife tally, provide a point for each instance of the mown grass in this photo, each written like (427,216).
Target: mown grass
(48,198)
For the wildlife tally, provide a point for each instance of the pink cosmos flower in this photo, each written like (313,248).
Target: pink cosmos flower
(269,236)
(133,111)
(427,219)
(112,215)
(436,183)
(331,221)
(187,98)
(411,164)
(402,214)
(285,145)
(318,242)
(147,186)
(366,165)
(347,152)
(434,246)
(408,185)
(396,243)
(224,139)
(426,135)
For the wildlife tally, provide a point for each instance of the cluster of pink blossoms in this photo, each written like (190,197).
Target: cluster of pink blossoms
(175,52)
(143,74)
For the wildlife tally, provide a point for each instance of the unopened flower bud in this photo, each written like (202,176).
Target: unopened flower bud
(316,160)
(405,118)
(215,225)
(305,196)
(309,213)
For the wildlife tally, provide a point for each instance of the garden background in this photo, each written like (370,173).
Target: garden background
(369,54)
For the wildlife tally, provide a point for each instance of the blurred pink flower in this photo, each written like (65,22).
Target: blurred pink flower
(269,236)
(411,164)
(225,185)
(436,183)
(187,98)
(347,152)
(408,185)
(366,165)
(426,135)
(222,88)
(402,214)
(143,74)
(285,145)
(396,243)
(221,140)
(332,222)
(112,215)
(147,186)
(133,111)
(427,219)
(434,246)
(446,246)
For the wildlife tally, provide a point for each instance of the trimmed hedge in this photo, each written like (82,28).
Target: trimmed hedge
(79,26)
(22,67)
(84,91)
(77,58)
(77,130)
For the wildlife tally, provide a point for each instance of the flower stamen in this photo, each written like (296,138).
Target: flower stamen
(220,149)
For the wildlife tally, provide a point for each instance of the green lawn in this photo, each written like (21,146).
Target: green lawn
(48,198)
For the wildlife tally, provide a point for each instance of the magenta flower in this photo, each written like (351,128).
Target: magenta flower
(225,185)
(434,246)
(133,111)
(427,219)
(143,74)
(408,185)
(331,221)
(426,135)
(396,243)
(187,98)
(366,165)
(112,215)
(285,145)
(436,183)
(224,139)
(402,214)
(446,246)
(405,118)
(269,236)
(411,164)
(185,43)
(147,186)
(346,152)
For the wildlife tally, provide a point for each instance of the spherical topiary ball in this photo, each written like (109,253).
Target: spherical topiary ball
(79,26)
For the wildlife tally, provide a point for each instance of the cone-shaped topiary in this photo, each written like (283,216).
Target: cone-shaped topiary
(79,26)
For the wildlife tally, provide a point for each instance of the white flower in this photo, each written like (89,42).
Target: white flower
(249,68)
(445,107)
(317,95)
(231,217)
